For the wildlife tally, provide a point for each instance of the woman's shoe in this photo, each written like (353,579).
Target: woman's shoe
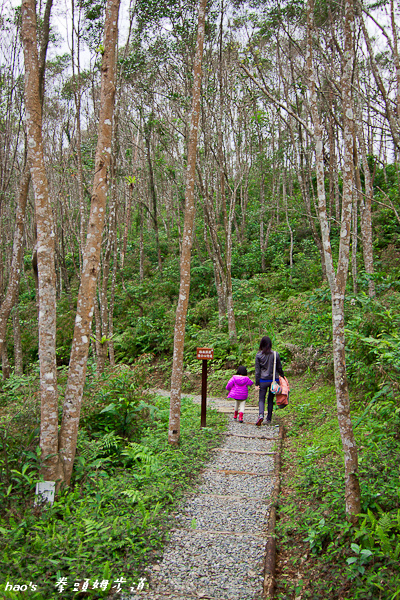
(260,420)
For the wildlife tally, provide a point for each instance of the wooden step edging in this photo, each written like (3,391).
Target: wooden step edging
(233,472)
(236,497)
(158,594)
(270,549)
(250,534)
(234,451)
(252,437)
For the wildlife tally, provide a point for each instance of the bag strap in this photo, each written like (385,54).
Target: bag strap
(273,376)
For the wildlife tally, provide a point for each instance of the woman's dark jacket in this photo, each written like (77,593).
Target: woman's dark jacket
(265,366)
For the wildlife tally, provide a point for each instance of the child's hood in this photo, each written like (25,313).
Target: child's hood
(242,380)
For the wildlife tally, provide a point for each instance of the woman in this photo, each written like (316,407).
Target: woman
(264,374)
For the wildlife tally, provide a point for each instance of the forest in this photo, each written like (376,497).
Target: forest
(176,175)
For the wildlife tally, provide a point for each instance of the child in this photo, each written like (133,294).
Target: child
(237,387)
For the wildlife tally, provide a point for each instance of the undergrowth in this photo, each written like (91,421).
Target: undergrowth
(115,517)
(321,555)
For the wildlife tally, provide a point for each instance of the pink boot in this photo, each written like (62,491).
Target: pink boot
(235,414)
(240,417)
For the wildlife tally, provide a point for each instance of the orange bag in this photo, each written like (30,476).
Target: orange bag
(282,399)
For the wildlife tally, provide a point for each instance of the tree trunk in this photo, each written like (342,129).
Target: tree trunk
(352,485)
(262,214)
(14,278)
(263,237)
(288,224)
(18,362)
(333,175)
(396,58)
(18,246)
(77,98)
(187,238)
(91,258)
(111,352)
(132,180)
(101,347)
(354,221)
(141,244)
(147,136)
(45,246)
(214,251)
(365,211)
(127,225)
(337,282)
(228,260)
(392,116)
(305,192)
(5,365)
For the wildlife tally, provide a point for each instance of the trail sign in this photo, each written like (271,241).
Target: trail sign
(204,354)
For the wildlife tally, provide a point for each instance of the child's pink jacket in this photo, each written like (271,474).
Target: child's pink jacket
(238,387)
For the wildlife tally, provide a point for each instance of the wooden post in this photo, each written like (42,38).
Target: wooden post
(204,354)
(204,395)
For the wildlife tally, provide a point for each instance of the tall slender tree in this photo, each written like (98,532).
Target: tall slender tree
(187,237)
(11,294)
(91,255)
(45,244)
(337,280)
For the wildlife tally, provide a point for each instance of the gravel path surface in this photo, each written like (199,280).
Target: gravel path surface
(216,551)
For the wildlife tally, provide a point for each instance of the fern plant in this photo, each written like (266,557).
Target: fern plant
(142,455)
(94,454)
(94,448)
(381,535)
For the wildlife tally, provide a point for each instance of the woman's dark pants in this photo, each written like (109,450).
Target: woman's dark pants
(264,388)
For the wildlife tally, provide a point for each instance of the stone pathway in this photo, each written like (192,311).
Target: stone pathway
(217,549)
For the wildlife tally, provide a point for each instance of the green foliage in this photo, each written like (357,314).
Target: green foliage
(202,313)
(65,330)
(19,431)
(93,25)
(375,566)
(147,320)
(381,535)
(363,557)
(17,387)
(120,404)
(373,340)
(119,514)
(225,351)
(317,535)
(317,323)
